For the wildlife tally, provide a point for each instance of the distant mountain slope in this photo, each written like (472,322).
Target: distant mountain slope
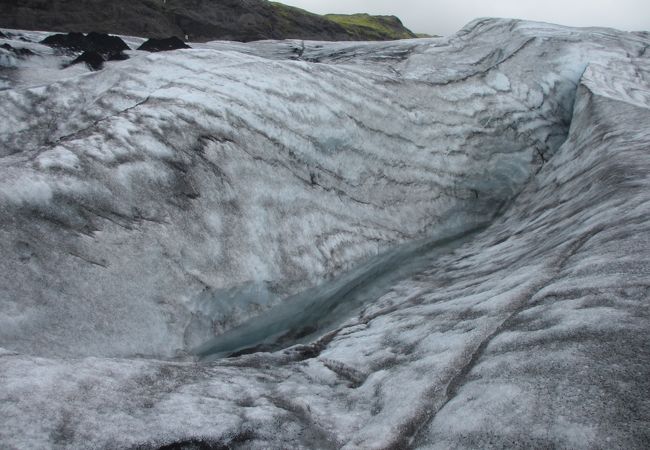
(200,20)
(366,26)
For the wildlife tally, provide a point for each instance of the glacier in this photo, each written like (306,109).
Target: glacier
(430,243)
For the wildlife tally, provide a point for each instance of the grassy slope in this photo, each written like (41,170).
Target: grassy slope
(358,26)
(289,17)
(288,12)
(367,26)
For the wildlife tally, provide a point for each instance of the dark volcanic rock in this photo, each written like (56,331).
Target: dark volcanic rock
(117,57)
(17,51)
(199,20)
(70,41)
(162,45)
(93,60)
(2,35)
(104,43)
(100,43)
(96,47)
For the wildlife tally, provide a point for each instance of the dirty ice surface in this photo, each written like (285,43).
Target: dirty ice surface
(432,243)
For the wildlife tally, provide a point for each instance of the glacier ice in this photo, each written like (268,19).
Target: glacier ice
(172,201)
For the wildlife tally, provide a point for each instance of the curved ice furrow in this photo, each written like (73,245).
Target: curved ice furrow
(154,145)
(539,322)
(316,311)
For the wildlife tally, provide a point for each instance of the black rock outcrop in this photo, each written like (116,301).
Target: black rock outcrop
(93,60)
(71,41)
(101,43)
(96,47)
(162,45)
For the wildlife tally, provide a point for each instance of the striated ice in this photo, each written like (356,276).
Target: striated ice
(172,201)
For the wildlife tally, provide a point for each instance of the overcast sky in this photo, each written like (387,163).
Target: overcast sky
(447,16)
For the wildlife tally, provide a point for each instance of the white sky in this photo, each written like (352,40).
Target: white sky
(448,16)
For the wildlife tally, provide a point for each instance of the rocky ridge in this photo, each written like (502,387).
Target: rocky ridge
(194,20)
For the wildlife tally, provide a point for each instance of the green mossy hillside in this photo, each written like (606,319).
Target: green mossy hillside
(356,26)
(289,18)
(365,26)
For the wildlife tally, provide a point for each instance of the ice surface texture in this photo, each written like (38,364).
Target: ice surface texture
(169,197)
